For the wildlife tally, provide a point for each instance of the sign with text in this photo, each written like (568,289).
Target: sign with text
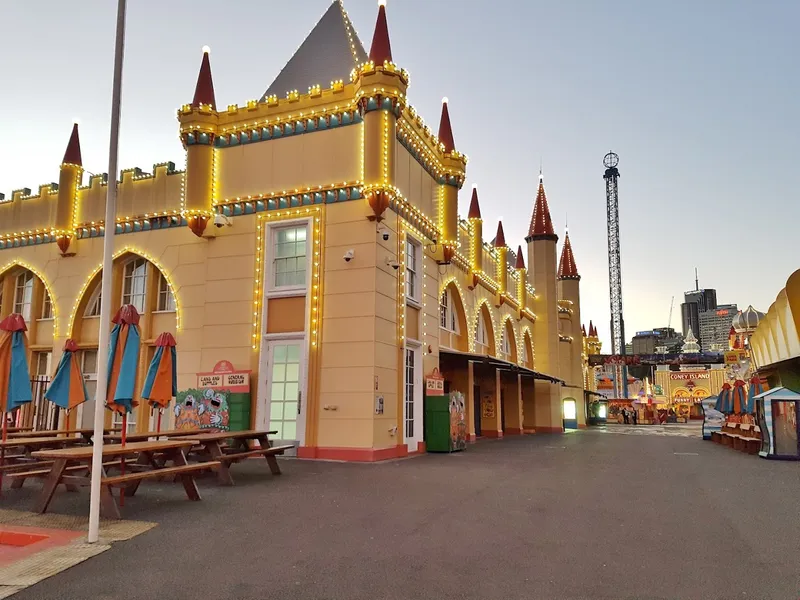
(225,376)
(734,356)
(686,376)
(434,384)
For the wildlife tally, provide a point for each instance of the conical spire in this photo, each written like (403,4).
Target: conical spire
(474,208)
(583,330)
(73,153)
(541,227)
(381,49)
(445,131)
(500,238)
(592,329)
(204,90)
(520,261)
(566,265)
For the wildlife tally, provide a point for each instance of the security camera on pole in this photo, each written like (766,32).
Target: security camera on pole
(107,278)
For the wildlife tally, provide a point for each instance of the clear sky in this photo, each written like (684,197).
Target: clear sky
(699,99)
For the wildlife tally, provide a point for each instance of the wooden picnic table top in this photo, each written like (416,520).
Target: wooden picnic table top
(231,435)
(18,429)
(55,432)
(32,442)
(146,435)
(85,452)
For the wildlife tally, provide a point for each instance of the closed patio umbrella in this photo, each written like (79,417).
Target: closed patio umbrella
(68,390)
(15,379)
(723,400)
(123,359)
(738,397)
(161,384)
(757,386)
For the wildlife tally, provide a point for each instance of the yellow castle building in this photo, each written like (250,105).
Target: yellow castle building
(313,239)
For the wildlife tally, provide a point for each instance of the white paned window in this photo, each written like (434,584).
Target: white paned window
(289,257)
(23,296)
(409,393)
(447,312)
(93,306)
(43,364)
(134,286)
(525,356)
(89,368)
(481,334)
(412,269)
(47,306)
(505,344)
(166,301)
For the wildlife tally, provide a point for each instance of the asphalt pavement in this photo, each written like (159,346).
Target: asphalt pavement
(593,514)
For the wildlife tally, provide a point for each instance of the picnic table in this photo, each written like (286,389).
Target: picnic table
(225,455)
(85,433)
(146,435)
(61,471)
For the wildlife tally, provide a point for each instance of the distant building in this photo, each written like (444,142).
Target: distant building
(694,303)
(715,327)
(661,340)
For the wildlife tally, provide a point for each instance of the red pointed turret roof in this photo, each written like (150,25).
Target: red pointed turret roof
(592,329)
(204,90)
(541,227)
(520,261)
(445,130)
(474,207)
(381,49)
(73,153)
(583,330)
(500,238)
(566,265)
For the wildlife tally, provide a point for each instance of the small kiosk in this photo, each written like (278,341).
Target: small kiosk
(778,411)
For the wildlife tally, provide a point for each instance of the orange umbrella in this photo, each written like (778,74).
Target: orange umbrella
(161,384)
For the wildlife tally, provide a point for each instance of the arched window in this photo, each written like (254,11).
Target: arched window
(481,333)
(505,344)
(47,306)
(447,312)
(23,295)
(134,286)
(166,301)
(93,306)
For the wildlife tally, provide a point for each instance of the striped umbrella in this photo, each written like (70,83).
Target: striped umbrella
(161,384)
(738,397)
(757,386)
(723,400)
(15,379)
(68,389)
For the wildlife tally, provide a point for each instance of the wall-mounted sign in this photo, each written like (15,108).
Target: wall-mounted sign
(723,312)
(225,376)
(434,384)
(735,356)
(686,376)
(487,406)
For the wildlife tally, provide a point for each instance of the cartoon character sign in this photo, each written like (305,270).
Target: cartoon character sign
(458,422)
(202,409)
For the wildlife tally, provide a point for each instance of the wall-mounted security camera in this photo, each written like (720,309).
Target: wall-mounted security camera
(384,232)
(221,220)
(392,263)
(348,256)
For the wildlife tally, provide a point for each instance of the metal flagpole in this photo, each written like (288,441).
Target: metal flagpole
(105,290)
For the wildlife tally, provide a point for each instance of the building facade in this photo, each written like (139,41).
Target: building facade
(715,325)
(313,240)
(694,303)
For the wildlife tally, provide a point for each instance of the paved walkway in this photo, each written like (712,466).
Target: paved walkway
(585,515)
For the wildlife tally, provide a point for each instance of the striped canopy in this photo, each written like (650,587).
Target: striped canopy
(68,389)
(724,399)
(15,379)
(757,386)
(123,360)
(161,385)
(738,397)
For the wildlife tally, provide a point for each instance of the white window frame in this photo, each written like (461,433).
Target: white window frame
(271,290)
(93,305)
(505,343)
(129,297)
(22,304)
(480,328)
(88,377)
(47,302)
(165,301)
(525,357)
(416,389)
(48,360)
(413,257)
(447,313)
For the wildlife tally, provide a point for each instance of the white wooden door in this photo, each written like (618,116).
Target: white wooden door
(285,387)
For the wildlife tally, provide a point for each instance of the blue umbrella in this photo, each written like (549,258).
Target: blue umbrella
(757,386)
(724,399)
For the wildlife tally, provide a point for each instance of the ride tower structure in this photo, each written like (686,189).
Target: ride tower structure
(611,176)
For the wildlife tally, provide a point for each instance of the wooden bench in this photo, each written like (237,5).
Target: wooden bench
(231,455)
(42,469)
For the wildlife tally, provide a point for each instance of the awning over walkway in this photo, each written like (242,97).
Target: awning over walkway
(493,361)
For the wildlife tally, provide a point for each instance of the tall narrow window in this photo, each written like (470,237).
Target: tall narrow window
(447,312)
(166,301)
(89,368)
(23,296)
(47,306)
(505,344)
(134,286)
(481,334)
(93,306)
(409,397)
(42,364)
(412,270)
(289,257)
